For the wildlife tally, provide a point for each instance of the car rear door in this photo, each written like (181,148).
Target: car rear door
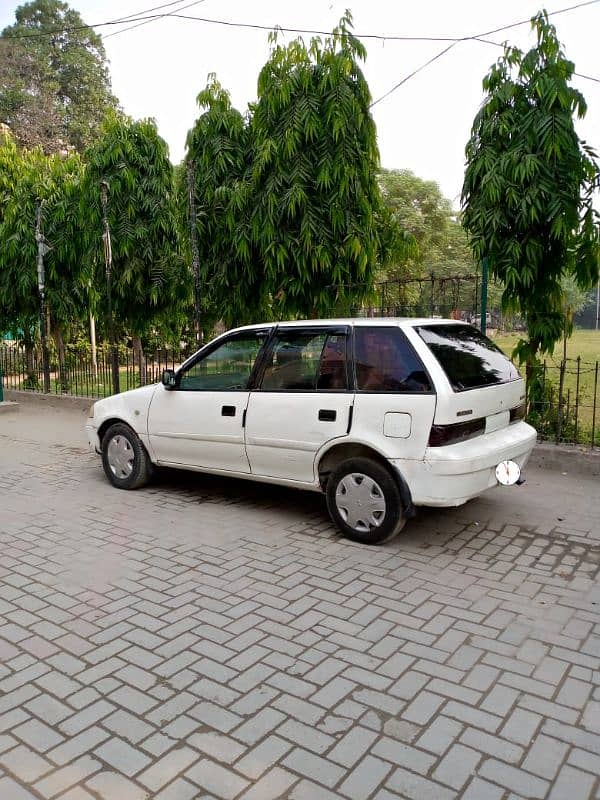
(483,386)
(302,400)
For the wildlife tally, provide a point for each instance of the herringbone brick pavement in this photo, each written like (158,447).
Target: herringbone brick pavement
(211,638)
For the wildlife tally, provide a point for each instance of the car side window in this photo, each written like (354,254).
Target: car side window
(306,361)
(386,362)
(227,367)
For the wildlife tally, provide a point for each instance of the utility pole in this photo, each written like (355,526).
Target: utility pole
(114,356)
(42,249)
(191,181)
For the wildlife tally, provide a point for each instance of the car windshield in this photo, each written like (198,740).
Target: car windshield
(469,359)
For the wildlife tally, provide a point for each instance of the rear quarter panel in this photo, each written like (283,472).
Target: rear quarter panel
(369,420)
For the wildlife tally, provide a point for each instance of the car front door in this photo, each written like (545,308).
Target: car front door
(200,422)
(302,400)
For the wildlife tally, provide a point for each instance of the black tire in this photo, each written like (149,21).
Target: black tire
(382,493)
(134,471)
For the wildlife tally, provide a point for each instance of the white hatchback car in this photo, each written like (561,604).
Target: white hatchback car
(382,415)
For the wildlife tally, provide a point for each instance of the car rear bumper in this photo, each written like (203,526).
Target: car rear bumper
(449,476)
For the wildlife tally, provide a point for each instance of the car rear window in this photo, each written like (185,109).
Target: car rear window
(469,359)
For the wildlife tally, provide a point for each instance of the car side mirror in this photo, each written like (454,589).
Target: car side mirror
(169,378)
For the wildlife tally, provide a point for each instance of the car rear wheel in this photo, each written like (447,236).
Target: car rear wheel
(364,501)
(124,458)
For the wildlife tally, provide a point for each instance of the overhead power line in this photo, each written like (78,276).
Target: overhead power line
(480,38)
(142,16)
(413,73)
(138,14)
(153,19)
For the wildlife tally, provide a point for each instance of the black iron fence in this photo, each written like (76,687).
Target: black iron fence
(80,372)
(564,397)
(564,401)
(449,296)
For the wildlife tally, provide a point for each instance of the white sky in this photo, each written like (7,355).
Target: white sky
(158,69)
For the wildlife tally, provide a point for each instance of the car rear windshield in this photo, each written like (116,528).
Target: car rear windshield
(469,359)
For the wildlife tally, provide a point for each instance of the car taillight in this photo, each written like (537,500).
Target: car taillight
(458,432)
(518,412)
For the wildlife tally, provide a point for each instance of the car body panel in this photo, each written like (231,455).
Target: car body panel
(284,432)
(188,429)
(368,422)
(451,475)
(277,437)
(129,407)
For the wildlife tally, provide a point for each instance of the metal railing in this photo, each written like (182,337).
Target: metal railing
(564,402)
(78,373)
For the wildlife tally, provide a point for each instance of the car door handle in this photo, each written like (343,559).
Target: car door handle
(327,415)
(228,411)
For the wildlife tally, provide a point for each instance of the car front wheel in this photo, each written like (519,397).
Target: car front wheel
(124,458)
(364,501)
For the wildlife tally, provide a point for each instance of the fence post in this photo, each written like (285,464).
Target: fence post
(1,386)
(594,411)
(561,385)
(432,293)
(577,399)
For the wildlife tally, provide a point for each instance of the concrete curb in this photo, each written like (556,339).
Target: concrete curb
(50,400)
(7,406)
(572,459)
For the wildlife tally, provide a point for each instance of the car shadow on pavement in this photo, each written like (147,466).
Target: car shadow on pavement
(305,510)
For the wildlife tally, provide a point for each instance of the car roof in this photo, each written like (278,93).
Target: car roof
(354,321)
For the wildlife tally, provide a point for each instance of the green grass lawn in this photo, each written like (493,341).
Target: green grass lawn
(586,346)
(85,385)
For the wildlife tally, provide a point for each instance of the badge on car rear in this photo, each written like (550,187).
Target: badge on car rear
(507,473)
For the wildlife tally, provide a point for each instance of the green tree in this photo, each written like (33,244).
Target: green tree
(54,81)
(420,209)
(232,284)
(527,194)
(28,179)
(317,217)
(150,278)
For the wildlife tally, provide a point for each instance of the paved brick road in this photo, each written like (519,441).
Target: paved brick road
(205,638)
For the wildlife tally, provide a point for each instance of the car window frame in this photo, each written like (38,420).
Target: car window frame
(306,329)
(210,348)
(412,350)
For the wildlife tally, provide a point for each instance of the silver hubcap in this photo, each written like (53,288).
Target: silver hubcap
(120,456)
(360,502)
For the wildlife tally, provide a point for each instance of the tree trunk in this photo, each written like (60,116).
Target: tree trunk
(31,379)
(63,380)
(93,343)
(138,354)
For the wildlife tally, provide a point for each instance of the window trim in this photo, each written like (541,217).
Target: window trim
(210,348)
(308,329)
(411,349)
